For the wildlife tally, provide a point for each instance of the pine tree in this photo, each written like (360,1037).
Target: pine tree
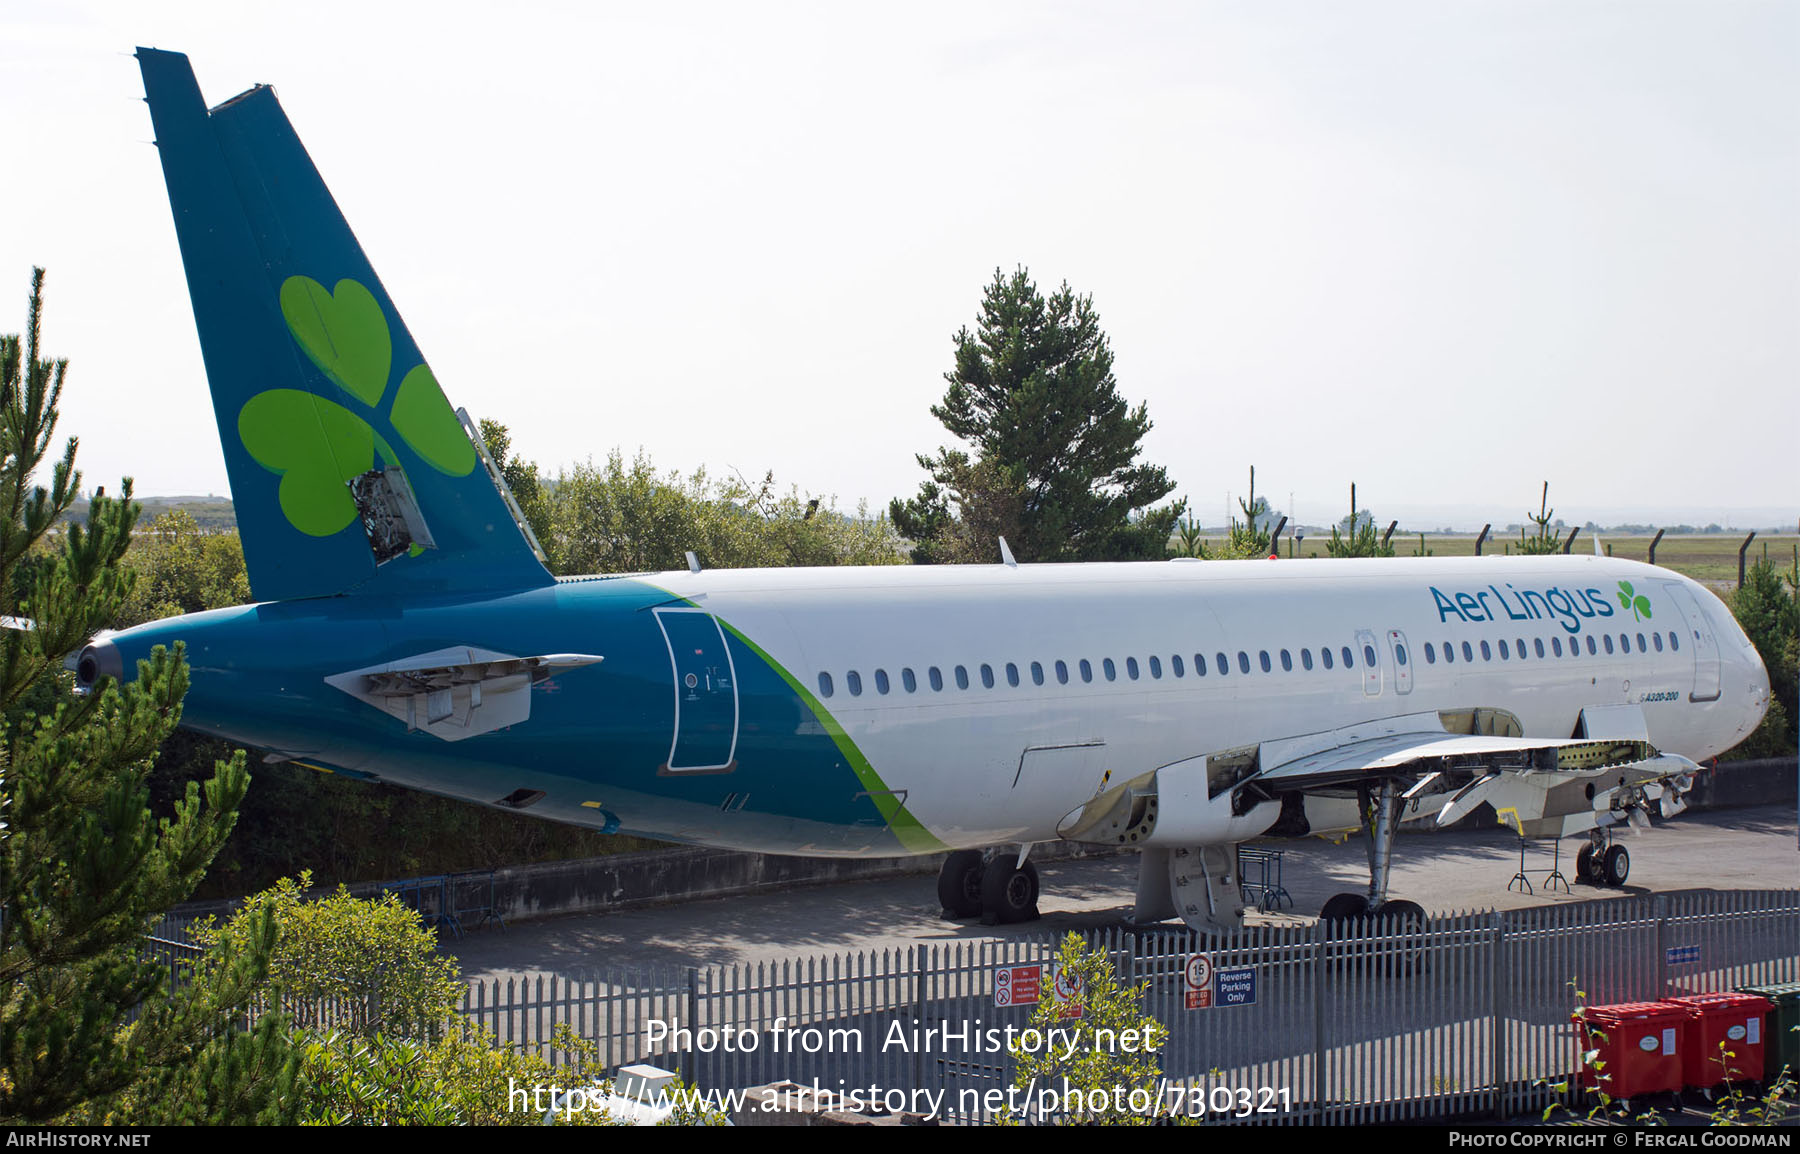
(83,865)
(1055,447)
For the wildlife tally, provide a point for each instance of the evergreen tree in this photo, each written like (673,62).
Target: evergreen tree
(83,865)
(1355,535)
(1055,446)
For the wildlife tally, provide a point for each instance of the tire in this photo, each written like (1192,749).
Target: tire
(959,884)
(1345,908)
(1406,921)
(1615,865)
(1008,895)
(1585,871)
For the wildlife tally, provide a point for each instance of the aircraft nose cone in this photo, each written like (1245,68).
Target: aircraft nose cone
(99,659)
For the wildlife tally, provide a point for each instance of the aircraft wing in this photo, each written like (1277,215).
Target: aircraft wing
(1446,764)
(456,693)
(1540,786)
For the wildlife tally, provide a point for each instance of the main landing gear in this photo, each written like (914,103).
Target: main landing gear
(1602,862)
(999,887)
(1381,817)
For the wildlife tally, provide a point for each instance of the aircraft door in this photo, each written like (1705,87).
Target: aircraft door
(1402,657)
(1369,660)
(706,702)
(1699,635)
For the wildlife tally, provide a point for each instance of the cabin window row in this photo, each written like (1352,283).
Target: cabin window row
(1107,670)
(1517,651)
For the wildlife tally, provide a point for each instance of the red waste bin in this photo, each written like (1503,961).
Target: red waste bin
(1639,1046)
(1723,1037)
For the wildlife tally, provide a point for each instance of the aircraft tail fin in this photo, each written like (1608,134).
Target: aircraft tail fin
(349,470)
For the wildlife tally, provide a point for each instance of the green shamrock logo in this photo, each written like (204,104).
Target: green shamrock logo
(317,445)
(1634,601)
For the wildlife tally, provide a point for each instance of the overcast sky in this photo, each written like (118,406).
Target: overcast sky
(1447,250)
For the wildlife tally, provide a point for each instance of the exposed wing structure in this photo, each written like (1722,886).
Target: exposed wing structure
(1447,764)
(459,692)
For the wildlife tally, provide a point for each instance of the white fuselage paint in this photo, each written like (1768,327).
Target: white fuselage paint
(960,756)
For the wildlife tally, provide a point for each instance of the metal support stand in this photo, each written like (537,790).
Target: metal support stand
(1519,879)
(1556,877)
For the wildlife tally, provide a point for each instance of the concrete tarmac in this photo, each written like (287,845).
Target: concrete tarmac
(1756,848)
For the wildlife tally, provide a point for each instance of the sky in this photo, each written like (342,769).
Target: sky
(1445,250)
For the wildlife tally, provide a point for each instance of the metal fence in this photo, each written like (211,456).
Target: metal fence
(1466,1015)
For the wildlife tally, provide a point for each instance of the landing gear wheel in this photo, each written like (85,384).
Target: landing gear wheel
(1586,872)
(959,884)
(1008,895)
(1615,866)
(1405,921)
(1345,908)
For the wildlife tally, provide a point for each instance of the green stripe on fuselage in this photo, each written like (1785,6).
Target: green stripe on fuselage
(907,828)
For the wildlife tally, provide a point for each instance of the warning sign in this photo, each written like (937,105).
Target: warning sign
(1018,985)
(1068,989)
(1197,977)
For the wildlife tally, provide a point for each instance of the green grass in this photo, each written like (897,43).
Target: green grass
(1709,559)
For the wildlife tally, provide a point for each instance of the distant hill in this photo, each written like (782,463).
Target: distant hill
(213,514)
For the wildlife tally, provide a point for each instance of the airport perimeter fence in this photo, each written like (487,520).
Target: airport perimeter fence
(1466,1015)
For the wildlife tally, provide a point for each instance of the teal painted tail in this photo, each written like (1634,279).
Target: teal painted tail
(349,470)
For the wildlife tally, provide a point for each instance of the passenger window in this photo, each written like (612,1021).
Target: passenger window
(1087,670)
(1520,643)
(1107,667)
(1538,644)
(824,685)
(1349,658)
(1657,637)
(1505,652)
(1037,673)
(1156,668)
(1175,662)
(1487,652)
(962,677)
(987,676)
(881,681)
(907,679)
(1131,668)
(1263,659)
(1556,646)
(1306,659)
(854,680)
(1468,653)
(1674,641)
(1243,662)
(1592,648)
(937,679)
(1062,673)
(1325,656)
(1012,675)
(1643,647)
(1607,637)
(1430,654)
(1369,656)
(1224,666)
(1449,653)
(1625,643)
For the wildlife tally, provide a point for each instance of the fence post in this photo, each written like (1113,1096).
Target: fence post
(690,1061)
(1318,974)
(1659,908)
(920,977)
(1497,1012)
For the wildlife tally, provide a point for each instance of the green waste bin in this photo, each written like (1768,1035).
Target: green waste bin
(1783,1049)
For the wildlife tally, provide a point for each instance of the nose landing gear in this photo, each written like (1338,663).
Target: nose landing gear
(1602,862)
